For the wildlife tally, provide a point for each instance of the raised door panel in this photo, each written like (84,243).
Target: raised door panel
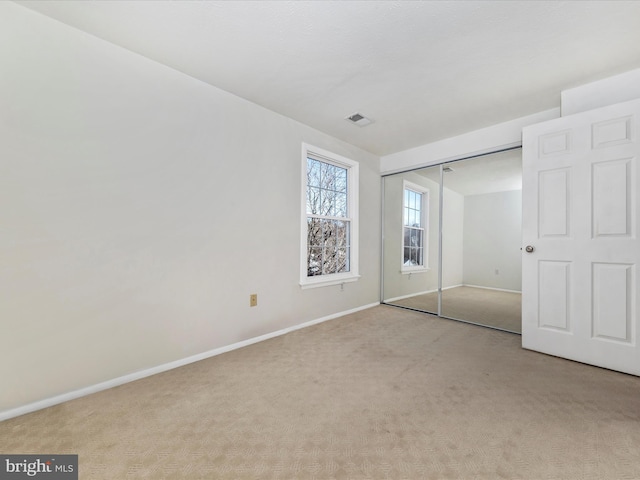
(612,198)
(613,308)
(554,201)
(554,295)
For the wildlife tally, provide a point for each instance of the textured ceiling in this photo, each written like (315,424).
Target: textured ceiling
(422,71)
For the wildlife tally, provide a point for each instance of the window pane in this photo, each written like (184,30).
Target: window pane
(334,199)
(313,200)
(314,232)
(329,233)
(326,202)
(413,239)
(342,260)
(340,205)
(313,172)
(341,180)
(314,262)
(328,176)
(412,218)
(329,261)
(342,234)
(407,256)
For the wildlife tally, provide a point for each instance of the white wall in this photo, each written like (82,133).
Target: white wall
(452,238)
(139,208)
(616,89)
(492,240)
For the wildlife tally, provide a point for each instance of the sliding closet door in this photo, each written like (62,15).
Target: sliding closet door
(452,237)
(410,239)
(481,239)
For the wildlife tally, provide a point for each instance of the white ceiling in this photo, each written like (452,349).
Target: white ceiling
(422,71)
(496,172)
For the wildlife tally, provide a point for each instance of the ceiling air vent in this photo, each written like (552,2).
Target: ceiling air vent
(358,119)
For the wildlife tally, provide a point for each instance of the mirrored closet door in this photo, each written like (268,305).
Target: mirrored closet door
(476,274)
(410,244)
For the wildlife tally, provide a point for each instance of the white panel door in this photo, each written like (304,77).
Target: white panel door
(581,207)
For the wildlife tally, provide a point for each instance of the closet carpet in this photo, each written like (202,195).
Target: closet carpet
(483,306)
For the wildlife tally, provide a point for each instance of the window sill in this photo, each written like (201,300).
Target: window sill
(414,270)
(326,282)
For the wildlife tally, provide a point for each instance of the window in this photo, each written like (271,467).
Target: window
(329,237)
(414,227)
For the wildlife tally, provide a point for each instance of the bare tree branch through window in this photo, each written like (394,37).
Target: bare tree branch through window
(328,224)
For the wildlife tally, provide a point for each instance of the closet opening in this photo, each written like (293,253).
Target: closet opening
(451,236)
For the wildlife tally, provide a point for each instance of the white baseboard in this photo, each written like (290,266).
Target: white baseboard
(388,300)
(65,397)
(492,288)
(402,297)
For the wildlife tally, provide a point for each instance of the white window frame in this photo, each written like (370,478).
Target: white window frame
(352,216)
(424,212)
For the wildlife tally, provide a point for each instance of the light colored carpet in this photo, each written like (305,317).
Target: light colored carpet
(383,393)
(493,308)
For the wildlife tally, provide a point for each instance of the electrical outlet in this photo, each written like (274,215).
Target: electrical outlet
(253,300)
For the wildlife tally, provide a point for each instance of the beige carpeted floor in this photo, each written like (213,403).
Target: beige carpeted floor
(383,393)
(493,308)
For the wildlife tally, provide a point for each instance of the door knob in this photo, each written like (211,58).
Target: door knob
(529,248)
